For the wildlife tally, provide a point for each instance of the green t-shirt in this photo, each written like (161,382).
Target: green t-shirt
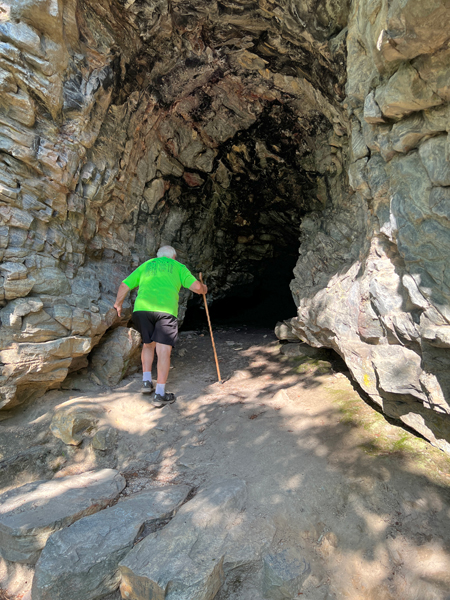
(159,281)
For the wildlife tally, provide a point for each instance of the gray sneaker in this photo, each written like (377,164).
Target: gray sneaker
(160,401)
(147,387)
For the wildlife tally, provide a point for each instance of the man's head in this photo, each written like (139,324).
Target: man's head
(166,251)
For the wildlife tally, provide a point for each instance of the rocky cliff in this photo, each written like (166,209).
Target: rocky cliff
(227,129)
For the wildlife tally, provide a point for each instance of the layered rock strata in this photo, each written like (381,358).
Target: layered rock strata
(372,280)
(219,127)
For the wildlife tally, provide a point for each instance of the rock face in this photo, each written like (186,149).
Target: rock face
(372,279)
(225,128)
(31,513)
(81,561)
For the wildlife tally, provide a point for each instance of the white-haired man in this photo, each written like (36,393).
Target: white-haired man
(155,314)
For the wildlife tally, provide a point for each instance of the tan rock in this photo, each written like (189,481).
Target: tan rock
(18,288)
(404,93)
(74,419)
(119,351)
(104,438)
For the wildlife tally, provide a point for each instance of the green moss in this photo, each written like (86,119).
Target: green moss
(380,438)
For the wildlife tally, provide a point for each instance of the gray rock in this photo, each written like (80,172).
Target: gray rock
(185,559)
(116,354)
(26,466)
(104,438)
(433,155)
(284,574)
(31,513)
(405,93)
(284,331)
(372,112)
(81,561)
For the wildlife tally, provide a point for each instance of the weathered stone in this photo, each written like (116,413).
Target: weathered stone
(404,93)
(434,70)
(186,556)
(116,354)
(284,574)
(283,331)
(104,438)
(433,155)
(440,202)
(31,513)
(398,371)
(153,193)
(372,112)
(81,562)
(50,281)
(74,418)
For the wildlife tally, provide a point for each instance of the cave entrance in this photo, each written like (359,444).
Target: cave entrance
(261,304)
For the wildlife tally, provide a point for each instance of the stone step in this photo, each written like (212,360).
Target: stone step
(31,513)
(185,559)
(81,561)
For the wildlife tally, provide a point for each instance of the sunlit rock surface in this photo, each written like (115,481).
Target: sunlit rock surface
(229,129)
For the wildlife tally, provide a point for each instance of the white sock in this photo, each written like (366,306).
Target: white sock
(147,376)
(160,389)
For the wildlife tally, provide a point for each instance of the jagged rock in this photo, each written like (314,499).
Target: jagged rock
(247,543)
(104,438)
(31,513)
(283,331)
(284,574)
(404,93)
(433,155)
(81,562)
(186,556)
(74,418)
(116,354)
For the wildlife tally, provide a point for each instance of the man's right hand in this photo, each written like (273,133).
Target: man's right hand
(118,307)
(199,288)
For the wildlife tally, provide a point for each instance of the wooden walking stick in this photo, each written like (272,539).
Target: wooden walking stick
(210,331)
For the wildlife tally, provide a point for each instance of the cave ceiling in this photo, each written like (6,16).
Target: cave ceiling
(225,127)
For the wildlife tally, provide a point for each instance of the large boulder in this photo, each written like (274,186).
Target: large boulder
(81,561)
(118,353)
(31,513)
(187,556)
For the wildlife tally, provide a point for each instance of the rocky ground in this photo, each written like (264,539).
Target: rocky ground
(364,503)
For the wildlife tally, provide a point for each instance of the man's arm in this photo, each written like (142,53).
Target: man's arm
(199,288)
(121,295)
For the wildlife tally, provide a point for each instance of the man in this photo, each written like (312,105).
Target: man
(155,314)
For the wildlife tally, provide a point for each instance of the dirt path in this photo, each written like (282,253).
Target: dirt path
(367,504)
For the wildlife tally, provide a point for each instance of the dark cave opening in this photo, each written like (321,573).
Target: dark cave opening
(261,304)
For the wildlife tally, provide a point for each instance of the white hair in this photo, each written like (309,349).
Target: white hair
(167,251)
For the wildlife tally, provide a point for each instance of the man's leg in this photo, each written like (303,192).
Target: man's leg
(161,396)
(163,351)
(147,356)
